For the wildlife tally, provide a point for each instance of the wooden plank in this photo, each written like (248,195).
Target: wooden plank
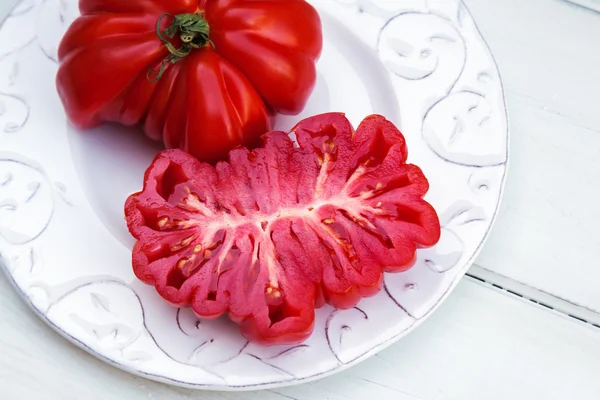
(481,343)
(546,235)
(537,296)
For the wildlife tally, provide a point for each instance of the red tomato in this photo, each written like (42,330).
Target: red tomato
(241,61)
(277,232)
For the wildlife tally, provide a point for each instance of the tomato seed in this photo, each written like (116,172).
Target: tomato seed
(162,222)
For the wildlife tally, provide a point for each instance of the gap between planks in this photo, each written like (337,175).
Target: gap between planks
(592,5)
(537,296)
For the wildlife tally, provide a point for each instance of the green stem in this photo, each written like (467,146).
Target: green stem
(193,31)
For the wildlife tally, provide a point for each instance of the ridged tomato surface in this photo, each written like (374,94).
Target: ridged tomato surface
(260,59)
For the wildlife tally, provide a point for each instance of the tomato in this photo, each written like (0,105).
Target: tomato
(202,76)
(276,232)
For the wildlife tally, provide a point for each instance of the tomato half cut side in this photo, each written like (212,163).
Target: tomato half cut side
(275,233)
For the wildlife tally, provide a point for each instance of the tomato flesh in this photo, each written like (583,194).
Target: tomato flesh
(274,233)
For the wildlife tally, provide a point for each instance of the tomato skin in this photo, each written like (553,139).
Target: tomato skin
(275,233)
(261,39)
(209,101)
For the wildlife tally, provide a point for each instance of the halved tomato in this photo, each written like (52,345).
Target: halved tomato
(278,231)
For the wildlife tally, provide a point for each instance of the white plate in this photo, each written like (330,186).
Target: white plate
(63,240)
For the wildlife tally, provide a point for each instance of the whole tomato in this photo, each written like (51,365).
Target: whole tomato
(200,75)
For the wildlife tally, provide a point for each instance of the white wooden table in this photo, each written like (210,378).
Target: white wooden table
(491,339)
